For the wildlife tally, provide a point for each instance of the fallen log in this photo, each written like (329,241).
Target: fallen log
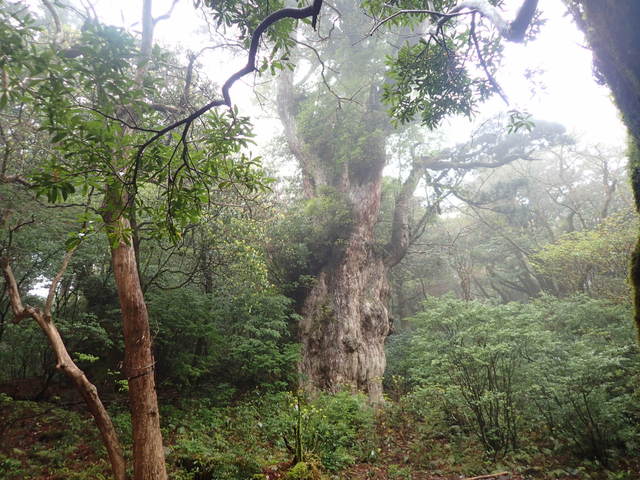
(497,476)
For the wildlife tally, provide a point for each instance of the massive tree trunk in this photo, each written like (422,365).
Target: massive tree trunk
(611,27)
(338,134)
(345,320)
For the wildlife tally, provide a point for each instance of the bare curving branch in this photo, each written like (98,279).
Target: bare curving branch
(166,15)
(469,156)
(401,235)
(485,67)
(513,31)
(56,19)
(442,16)
(439,164)
(295,13)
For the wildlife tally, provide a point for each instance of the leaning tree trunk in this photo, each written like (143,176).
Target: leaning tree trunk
(611,28)
(65,363)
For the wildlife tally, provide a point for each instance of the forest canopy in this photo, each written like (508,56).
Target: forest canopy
(384,279)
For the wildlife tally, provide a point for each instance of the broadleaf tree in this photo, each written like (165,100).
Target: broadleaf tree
(98,99)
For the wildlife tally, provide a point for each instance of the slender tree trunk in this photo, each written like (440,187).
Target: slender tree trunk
(139,364)
(139,367)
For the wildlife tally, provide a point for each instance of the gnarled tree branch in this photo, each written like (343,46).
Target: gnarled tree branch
(295,13)
(65,363)
(513,31)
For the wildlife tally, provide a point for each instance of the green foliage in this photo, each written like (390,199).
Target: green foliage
(236,442)
(520,120)
(433,77)
(341,136)
(308,236)
(18,29)
(337,429)
(398,472)
(213,442)
(517,215)
(81,104)
(244,17)
(21,344)
(426,81)
(501,371)
(38,438)
(477,354)
(242,340)
(585,385)
(593,262)
(303,471)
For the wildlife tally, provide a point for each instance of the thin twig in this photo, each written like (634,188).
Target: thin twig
(490,77)
(55,281)
(415,11)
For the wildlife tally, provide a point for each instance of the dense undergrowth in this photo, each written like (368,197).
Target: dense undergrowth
(343,439)
(545,390)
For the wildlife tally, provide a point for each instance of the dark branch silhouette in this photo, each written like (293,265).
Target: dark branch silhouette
(296,13)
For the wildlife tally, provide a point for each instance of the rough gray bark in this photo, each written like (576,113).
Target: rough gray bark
(345,322)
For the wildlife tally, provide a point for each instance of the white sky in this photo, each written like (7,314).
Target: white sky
(569,95)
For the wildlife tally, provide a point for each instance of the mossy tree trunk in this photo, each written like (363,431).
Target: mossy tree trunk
(611,28)
(345,320)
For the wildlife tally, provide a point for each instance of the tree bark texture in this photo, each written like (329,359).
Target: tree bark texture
(66,365)
(139,363)
(345,320)
(344,316)
(611,28)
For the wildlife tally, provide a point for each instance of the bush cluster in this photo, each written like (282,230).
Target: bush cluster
(563,374)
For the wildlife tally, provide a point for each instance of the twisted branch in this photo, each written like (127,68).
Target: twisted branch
(295,13)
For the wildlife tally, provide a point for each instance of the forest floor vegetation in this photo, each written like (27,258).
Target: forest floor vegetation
(252,439)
